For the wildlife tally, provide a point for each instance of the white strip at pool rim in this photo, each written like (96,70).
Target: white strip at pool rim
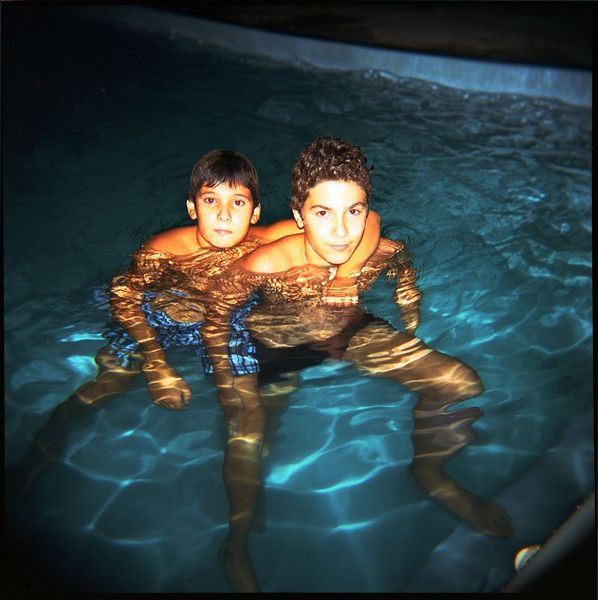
(573,86)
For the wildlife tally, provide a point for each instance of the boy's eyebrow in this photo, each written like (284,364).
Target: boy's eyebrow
(210,190)
(322,207)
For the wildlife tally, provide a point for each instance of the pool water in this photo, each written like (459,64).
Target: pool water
(492,194)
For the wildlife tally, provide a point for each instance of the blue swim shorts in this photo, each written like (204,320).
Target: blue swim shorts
(241,349)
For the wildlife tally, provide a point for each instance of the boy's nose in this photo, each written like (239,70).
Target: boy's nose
(339,229)
(224,214)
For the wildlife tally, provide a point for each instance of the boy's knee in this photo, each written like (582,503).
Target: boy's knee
(478,386)
(461,383)
(73,409)
(469,383)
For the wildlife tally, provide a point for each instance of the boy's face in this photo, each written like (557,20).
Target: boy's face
(224,214)
(333,216)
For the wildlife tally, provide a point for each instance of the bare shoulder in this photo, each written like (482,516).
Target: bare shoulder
(275,257)
(180,240)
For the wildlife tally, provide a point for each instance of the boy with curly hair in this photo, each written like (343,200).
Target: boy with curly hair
(293,326)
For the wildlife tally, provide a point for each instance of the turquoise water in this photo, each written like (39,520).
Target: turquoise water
(492,192)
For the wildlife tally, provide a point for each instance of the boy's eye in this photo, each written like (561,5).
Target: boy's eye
(209,199)
(321,213)
(355,211)
(239,202)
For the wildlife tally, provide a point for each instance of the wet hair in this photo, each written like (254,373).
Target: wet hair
(328,159)
(224,166)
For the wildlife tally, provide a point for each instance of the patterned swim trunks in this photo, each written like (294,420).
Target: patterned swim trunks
(241,349)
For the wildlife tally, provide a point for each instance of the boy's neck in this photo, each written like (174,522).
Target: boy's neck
(310,256)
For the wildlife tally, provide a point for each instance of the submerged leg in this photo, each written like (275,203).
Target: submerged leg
(49,443)
(274,399)
(438,435)
(242,477)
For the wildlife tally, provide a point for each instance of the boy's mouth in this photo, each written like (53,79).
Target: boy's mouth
(223,231)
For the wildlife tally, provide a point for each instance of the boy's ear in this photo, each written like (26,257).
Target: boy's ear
(191,208)
(298,219)
(255,215)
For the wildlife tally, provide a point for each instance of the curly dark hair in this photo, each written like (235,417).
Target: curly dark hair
(224,166)
(328,159)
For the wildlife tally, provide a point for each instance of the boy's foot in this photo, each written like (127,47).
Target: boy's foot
(484,516)
(237,566)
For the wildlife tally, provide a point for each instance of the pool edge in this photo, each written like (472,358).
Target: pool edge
(568,543)
(572,86)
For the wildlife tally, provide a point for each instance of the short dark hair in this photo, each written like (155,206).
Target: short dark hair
(224,166)
(328,159)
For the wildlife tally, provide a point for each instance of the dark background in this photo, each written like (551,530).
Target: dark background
(541,33)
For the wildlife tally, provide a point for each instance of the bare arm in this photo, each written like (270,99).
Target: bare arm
(407,297)
(229,291)
(126,297)
(275,231)
(126,292)
(367,247)
(343,288)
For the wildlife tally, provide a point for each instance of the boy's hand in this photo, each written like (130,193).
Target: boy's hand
(166,387)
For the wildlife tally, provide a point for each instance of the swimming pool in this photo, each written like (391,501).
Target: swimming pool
(492,192)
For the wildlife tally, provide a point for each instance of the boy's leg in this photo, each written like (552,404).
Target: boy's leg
(441,381)
(381,351)
(274,399)
(248,424)
(49,443)
(241,475)
(111,379)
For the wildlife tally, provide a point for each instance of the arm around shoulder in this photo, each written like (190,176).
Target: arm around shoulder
(368,245)
(275,231)
(275,257)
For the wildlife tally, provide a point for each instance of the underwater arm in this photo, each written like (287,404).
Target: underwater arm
(126,292)
(406,295)
(231,290)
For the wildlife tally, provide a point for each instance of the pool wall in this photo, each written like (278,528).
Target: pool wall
(573,86)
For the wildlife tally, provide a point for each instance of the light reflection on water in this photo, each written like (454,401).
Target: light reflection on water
(493,194)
